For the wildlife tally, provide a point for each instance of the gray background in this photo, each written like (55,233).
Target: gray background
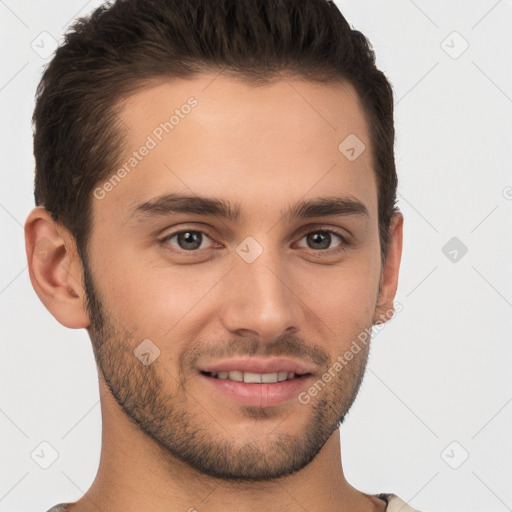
(438,387)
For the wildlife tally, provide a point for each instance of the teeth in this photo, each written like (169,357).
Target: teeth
(236,375)
(269,377)
(253,378)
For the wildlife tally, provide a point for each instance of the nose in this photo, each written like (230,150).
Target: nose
(262,299)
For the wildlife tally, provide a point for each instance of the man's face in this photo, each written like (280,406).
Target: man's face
(269,291)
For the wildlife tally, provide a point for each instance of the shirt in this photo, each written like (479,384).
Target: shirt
(395,504)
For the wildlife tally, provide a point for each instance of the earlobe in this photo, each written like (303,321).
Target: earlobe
(390,270)
(55,269)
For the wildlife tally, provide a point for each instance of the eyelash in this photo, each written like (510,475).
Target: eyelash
(345,243)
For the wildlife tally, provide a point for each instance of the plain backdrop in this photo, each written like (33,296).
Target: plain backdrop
(433,420)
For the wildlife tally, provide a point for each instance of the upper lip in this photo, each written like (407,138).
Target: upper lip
(254,365)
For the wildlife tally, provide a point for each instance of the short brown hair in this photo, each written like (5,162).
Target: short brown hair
(122,45)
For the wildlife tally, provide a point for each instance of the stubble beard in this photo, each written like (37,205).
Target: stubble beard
(169,420)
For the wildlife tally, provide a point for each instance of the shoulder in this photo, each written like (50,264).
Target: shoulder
(395,504)
(61,507)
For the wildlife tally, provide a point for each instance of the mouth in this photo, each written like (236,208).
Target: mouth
(259,383)
(253,377)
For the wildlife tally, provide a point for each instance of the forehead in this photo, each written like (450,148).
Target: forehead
(216,136)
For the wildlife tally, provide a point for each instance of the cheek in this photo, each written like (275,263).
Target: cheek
(345,301)
(156,298)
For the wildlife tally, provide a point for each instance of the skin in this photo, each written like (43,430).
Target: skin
(263,148)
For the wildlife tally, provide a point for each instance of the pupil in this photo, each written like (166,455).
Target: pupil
(322,237)
(190,239)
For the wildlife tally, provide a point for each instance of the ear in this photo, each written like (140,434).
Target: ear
(389,273)
(55,269)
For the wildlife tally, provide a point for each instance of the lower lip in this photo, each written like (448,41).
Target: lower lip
(258,395)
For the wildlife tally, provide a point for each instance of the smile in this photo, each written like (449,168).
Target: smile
(252,377)
(255,389)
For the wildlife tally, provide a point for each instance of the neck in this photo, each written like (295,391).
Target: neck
(134,474)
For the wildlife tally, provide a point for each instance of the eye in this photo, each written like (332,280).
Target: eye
(188,240)
(322,239)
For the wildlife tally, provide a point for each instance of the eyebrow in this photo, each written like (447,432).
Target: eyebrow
(168,204)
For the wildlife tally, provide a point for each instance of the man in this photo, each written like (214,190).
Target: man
(215,190)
